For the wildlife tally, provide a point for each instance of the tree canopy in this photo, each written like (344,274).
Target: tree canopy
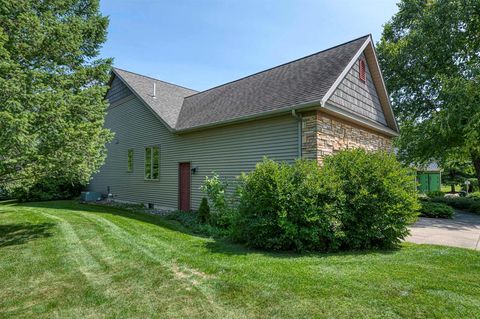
(430,57)
(456,170)
(52,89)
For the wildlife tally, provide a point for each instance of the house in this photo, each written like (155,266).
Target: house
(168,138)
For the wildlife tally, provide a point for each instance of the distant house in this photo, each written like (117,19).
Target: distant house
(168,138)
(429,178)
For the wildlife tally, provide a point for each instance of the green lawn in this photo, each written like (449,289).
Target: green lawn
(63,259)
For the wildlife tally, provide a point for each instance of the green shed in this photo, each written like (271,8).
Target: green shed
(429,179)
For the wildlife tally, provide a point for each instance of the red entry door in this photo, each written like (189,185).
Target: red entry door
(184,186)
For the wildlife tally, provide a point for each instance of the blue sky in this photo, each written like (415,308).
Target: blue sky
(201,44)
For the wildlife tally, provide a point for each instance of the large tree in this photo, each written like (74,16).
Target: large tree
(430,56)
(52,89)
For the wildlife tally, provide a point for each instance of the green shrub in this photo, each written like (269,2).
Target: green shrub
(221,204)
(379,198)
(435,210)
(190,220)
(4,194)
(357,200)
(474,196)
(468,204)
(435,194)
(475,207)
(49,189)
(215,188)
(287,207)
(204,211)
(455,202)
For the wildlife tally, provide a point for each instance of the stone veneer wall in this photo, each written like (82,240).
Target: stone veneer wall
(323,134)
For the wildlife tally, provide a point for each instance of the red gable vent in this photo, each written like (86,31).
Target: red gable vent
(362,75)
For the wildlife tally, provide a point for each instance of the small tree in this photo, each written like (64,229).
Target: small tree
(216,190)
(220,202)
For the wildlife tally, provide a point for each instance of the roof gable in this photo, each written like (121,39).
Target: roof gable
(368,50)
(358,96)
(311,81)
(168,98)
(118,90)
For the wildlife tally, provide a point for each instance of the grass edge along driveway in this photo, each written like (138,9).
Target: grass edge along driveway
(68,260)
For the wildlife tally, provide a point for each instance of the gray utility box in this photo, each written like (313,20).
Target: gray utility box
(90,196)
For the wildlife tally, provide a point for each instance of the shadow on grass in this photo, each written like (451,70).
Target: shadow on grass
(17,234)
(225,247)
(215,245)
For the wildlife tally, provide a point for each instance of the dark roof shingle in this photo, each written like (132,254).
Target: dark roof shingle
(300,81)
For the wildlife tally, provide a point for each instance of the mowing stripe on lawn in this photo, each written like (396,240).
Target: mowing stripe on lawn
(189,276)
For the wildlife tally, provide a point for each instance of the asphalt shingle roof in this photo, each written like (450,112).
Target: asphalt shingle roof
(301,81)
(169,97)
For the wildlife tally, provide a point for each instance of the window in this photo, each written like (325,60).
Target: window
(152,162)
(362,75)
(130,161)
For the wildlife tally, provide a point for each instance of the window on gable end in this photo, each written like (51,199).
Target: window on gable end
(362,72)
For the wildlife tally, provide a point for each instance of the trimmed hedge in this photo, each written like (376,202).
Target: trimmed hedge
(467,204)
(356,200)
(435,210)
(435,194)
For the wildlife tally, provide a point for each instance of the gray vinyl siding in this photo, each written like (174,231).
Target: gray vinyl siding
(361,98)
(228,150)
(118,90)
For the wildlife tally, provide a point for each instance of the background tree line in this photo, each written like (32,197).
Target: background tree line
(430,57)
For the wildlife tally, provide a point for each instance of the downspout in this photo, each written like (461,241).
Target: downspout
(299,132)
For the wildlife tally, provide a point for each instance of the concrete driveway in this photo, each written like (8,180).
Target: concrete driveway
(461,231)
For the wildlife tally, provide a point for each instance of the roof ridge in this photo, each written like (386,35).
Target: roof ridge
(278,66)
(149,77)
